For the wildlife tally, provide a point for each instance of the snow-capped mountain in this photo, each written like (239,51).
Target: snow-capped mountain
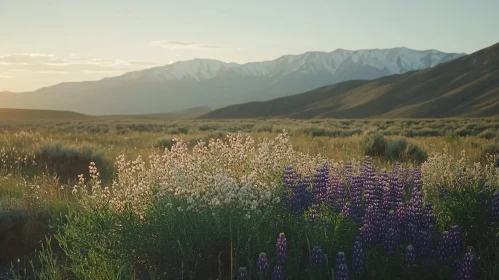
(213,83)
(396,61)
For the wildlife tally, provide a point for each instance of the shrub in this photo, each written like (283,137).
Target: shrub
(414,153)
(207,127)
(180,130)
(487,134)
(164,143)
(69,162)
(374,144)
(491,150)
(401,150)
(395,149)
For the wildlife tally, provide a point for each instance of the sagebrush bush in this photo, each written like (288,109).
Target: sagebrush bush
(395,149)
(69,162)
(415,154)
(487,134)
(374,144)
(491,150)
(164,143)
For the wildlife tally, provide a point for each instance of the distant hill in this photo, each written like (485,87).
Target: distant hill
(213,83)
(465,87)
(190,113)
(26,114)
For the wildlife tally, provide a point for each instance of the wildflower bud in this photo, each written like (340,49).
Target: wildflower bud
(467,267)
(341,268)
(262,264)
(278,273)
(281,249)
(242,274)
(455,240)
(410,257)
(358,258)
(317,258)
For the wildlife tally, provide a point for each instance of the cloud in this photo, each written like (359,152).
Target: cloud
(168,44)
(5,76)
(53,72)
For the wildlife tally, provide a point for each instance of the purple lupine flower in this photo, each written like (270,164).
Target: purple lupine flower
(369,232)
(410,257)
(341,269)
(289,178)
(495,206)
(424,243)
(412,232)
(358,257)
(417,183)
(347,173)
(332,186)
(339,196)
(278,273)
(467,267)
(390,241)
(401,214)
(317,258)
(396,187)
(368,178)
(301,197)
(429,219)
(242,274)
(347,210)
(443,251)
(415,209)
(262,264)
(356,206)
(281,249)
(319,185)
(455,240)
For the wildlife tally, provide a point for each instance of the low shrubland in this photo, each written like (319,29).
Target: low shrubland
(244,208)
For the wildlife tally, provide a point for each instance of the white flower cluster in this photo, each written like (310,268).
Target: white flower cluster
(235,172)
(441,169)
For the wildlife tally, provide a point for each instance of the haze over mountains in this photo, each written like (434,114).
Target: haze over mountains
(215,84)
(465,87)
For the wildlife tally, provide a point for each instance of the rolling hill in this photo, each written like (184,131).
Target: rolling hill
(465,87)
(26,114)
(215,84)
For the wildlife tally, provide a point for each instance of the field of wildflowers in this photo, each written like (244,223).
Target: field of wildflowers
(245,206)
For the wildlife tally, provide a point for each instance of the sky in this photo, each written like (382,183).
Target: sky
(44,42)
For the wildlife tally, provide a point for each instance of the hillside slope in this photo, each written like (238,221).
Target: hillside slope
(465,87)
(215,84)
(26,114)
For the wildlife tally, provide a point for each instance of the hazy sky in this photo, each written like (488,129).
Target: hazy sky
(46,42)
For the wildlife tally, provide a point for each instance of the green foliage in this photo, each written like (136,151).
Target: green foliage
(69,162)
(374,144)
(395,149)
(415,154)
(164,143)
(491,150)
(487,134)
(401,150)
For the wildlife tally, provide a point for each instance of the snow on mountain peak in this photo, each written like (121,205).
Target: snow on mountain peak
(395,60)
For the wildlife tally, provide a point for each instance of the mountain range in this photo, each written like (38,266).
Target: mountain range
(465,87)
(215,84)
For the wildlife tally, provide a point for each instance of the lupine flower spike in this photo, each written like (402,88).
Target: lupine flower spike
(242,274)
(341,268)
(317,258)
(262,264)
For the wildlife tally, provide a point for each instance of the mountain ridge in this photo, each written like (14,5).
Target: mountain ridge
(465,87)
(215,84)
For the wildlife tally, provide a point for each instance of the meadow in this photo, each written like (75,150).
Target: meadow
(141,198)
